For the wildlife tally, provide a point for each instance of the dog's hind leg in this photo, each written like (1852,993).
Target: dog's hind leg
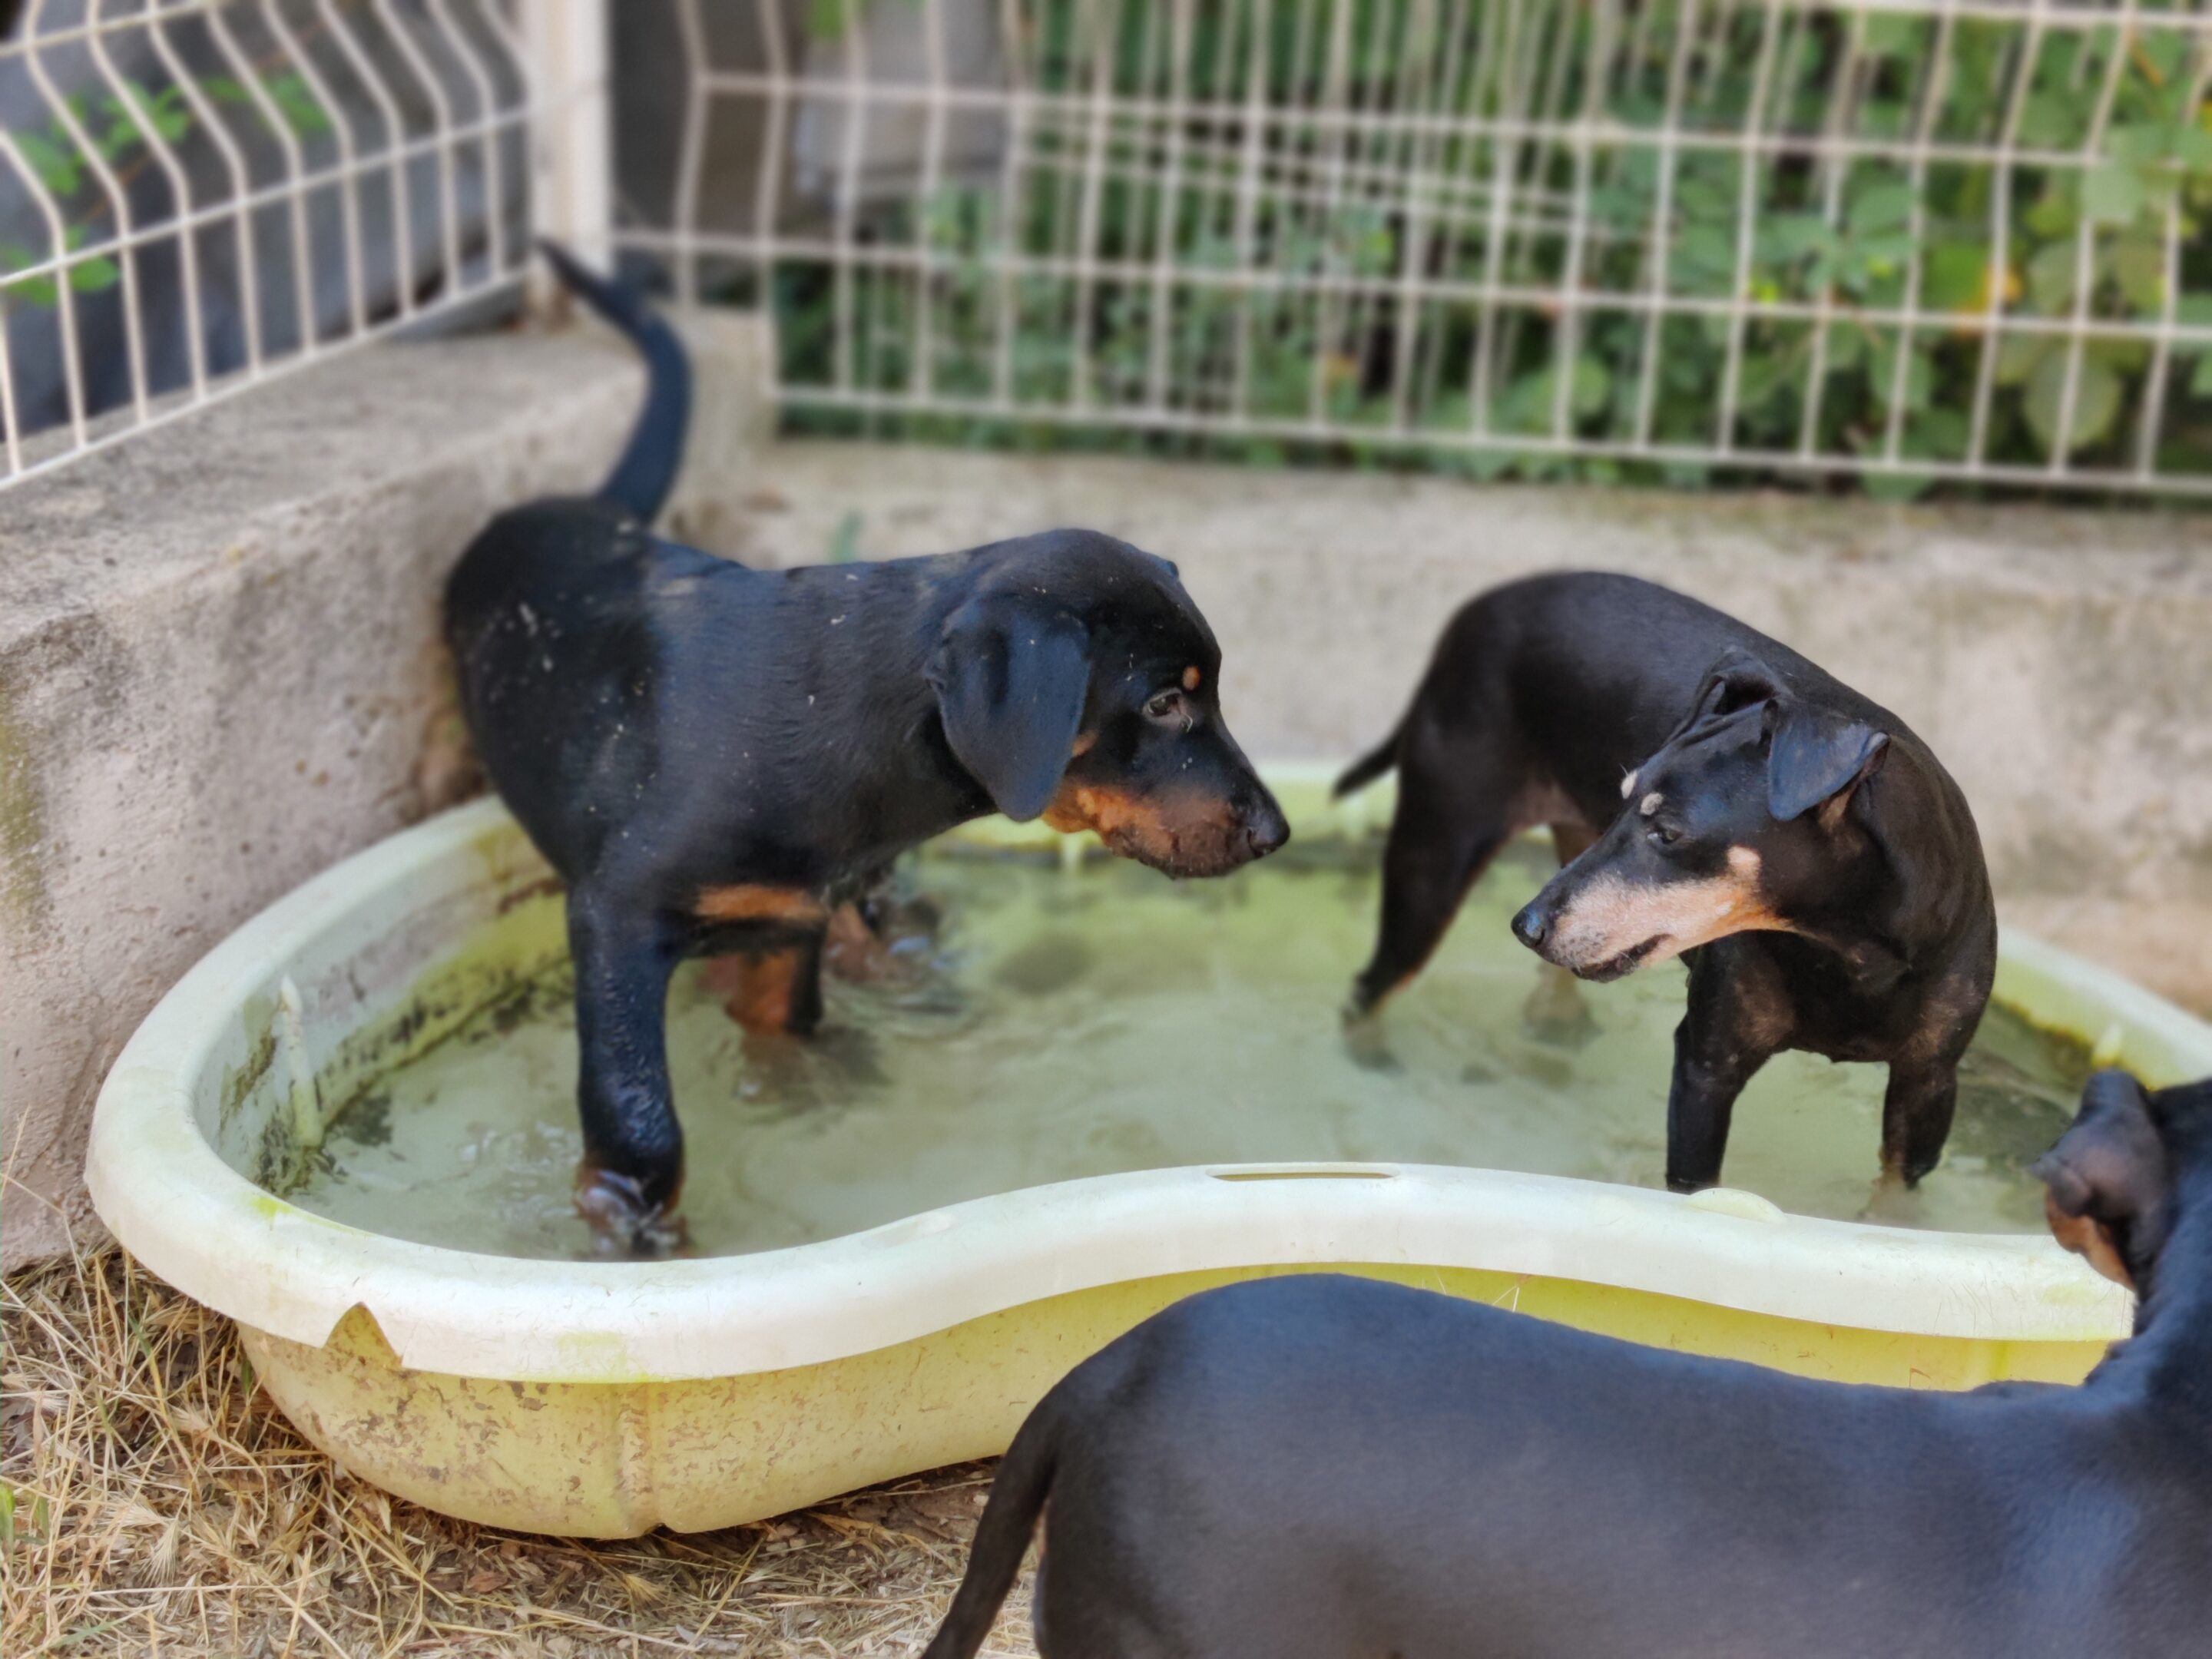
(854,949)
(771,991)
(1441,839)
(633,1166)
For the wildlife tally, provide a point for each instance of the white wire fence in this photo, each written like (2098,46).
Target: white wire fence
(1908,240)
(195,194)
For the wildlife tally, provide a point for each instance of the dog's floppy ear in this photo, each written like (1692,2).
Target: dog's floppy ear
(1815,759)
(1010,679)
(1812,760)
(1735,681)
(2107,1180)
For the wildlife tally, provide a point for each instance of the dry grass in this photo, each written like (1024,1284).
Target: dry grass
(161,1505)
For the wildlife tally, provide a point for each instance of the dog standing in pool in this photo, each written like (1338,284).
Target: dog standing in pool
(1715,796)
(1329,1468)
(714,759)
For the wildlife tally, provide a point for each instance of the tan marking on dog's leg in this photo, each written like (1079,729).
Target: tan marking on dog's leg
(746,901)
(724,979)
(758,988)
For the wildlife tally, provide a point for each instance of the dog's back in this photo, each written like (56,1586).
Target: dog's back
(1322,1465)
(1594,670)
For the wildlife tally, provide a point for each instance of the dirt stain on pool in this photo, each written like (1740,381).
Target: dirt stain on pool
(1085,1021)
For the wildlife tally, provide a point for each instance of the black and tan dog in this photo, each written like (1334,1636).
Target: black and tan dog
(1326,1467)
(716,758)
(1713,796)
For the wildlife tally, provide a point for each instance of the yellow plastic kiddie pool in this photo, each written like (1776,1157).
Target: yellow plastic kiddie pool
(602,1399)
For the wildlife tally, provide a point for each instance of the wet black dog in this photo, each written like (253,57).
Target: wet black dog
(1331,1467)
(715,758)
(1714,796)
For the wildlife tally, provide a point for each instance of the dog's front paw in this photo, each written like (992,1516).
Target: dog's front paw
(1366,1043)
(882,938)
(624,1221)
(1555,1012)
(1891,1202)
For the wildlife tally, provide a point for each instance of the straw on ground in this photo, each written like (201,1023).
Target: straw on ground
(154,1502)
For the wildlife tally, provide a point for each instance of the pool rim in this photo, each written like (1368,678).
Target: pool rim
(177,1206)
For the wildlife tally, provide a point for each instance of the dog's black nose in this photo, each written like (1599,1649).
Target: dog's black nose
(1529,926)
(1266,829)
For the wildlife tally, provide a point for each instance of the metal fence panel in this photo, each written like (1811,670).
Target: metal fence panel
(1903,239)
(196,194)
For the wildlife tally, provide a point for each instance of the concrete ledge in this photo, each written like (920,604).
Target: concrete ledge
(219,672)
(2059,661)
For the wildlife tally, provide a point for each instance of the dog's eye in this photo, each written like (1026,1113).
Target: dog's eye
(1664,834)
(1169,706)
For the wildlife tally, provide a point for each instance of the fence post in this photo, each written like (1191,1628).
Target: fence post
(572,151)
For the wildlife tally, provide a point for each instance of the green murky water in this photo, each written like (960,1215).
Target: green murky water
(1070,1023)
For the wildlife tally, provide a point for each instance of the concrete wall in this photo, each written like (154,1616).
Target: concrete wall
(219,670)
(219,674)
(2060,662)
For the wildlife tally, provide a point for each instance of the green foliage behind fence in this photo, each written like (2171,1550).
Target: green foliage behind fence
(1842,241)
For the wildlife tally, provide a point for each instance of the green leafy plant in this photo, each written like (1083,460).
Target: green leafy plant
(117,128)
(1877,300)
(90,276)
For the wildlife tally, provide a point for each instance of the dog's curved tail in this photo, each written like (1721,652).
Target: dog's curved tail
(1002,1537)
(1373,765)
(646,471)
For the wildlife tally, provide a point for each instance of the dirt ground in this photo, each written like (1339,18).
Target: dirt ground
(152,1501)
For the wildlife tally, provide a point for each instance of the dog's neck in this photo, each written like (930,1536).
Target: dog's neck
(1870,963)
(1868,959)
(1895,913)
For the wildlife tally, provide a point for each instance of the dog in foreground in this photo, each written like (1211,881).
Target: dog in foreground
(1331,1466)
(1712,795)
(714,759)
